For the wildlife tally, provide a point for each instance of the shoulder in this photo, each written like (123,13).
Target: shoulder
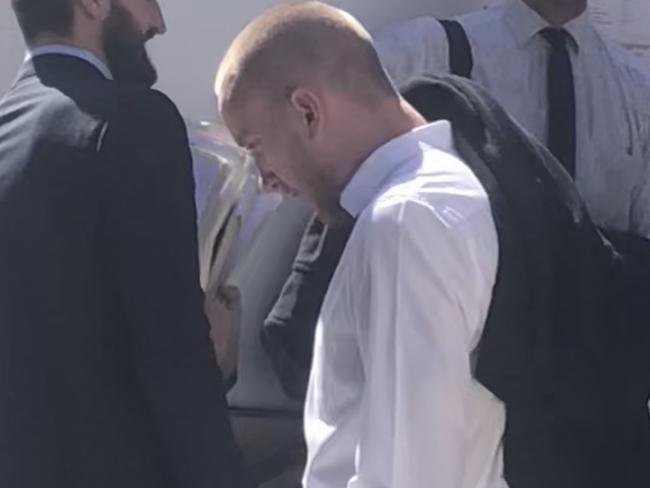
(483,20)
(439,224)
(417,36)
(110,103)
(144,118)
(490,35)
(425,27)
(442,198)
(65,117)
(431,239)
(145,107)
(107,99)
(632,68)
(633,72)
(413,48)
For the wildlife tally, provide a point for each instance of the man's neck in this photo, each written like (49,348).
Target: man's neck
(399,118)
(557,12)
(48,40)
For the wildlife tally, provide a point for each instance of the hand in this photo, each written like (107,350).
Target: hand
(223,309)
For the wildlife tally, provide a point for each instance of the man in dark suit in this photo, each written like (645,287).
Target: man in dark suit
(107,375)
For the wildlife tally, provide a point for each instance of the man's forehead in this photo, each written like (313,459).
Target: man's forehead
(239,131)
(242,120)
(244,107)
(224,84)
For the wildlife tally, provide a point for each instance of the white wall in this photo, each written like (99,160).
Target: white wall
(187,56)
(12,49)
(200,31)
(190,52)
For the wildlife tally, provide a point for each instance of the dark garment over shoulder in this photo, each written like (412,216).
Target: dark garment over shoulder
(565,344)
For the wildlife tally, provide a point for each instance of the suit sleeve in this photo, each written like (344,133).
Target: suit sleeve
(152,241)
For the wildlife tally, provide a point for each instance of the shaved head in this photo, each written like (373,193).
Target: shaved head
(303,90)
(294,42)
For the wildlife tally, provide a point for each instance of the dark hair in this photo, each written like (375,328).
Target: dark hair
(37,17)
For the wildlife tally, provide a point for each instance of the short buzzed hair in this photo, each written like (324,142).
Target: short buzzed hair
(37,17)
(293,42)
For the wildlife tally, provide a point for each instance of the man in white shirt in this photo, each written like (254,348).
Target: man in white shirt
(547,65)
(392,400)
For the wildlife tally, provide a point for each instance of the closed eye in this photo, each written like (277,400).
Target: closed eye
(254,151)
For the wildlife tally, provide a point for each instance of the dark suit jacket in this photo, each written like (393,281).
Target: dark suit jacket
(107,375)
(565,344)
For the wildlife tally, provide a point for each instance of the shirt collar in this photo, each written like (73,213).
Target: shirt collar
(376,171)
(71,51)
(525,23)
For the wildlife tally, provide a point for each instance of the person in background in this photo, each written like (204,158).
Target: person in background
(578,92)
(392,399)
(109,378)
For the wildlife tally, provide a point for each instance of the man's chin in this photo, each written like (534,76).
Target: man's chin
(132,65)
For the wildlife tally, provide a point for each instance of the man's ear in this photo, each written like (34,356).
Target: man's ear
(95,9)
(309,107)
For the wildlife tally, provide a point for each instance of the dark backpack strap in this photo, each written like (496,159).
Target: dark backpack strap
(289,329)
(461,60)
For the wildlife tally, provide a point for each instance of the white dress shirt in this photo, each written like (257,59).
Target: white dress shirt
(510,60)
(392,402)
(71,51)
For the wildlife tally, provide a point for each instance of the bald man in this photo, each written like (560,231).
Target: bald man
(392,401)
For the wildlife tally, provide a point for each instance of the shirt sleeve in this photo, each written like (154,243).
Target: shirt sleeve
(412,49)
(431,281)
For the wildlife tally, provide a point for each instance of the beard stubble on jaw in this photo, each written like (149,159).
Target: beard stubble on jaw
(125,50)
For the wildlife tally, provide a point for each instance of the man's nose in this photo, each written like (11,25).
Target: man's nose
(158,19)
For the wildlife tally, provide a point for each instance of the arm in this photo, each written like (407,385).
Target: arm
(430,287)
(414,48)
(223,310)
(151,237)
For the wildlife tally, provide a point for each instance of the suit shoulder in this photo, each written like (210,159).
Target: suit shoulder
(63,116)
(146,118)
(148,106)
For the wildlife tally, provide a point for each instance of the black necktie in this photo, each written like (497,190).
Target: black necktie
(561,100)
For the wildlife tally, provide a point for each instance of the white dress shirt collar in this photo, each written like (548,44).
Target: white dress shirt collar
(525,23)
(379,166)
(71,51)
